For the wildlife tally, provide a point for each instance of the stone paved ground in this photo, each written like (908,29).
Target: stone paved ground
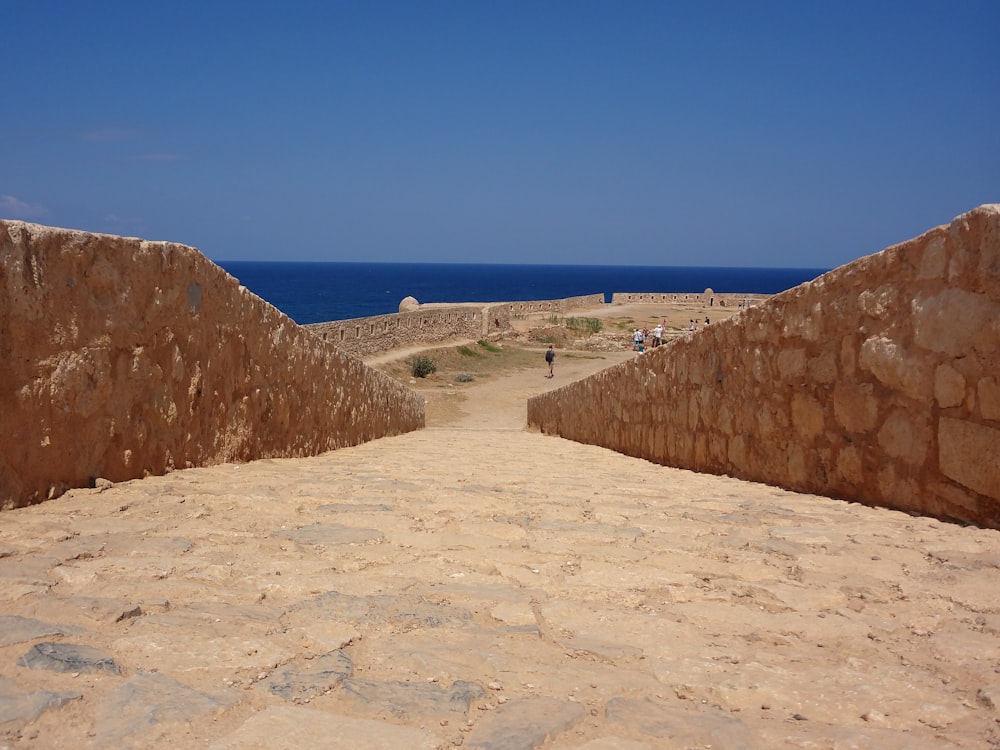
(479,585)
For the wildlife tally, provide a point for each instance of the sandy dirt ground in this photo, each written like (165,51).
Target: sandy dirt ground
(476,584)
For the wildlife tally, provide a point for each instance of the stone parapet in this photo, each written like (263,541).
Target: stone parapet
(121,358)
(708,298)
(565,305)
(877,382)
(363,337)
(436,322)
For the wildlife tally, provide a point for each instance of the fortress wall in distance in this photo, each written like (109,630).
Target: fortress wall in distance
(708,298)
(121,358)
(877,382)
(437,322)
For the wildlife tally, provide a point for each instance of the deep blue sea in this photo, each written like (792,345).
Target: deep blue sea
(320,292)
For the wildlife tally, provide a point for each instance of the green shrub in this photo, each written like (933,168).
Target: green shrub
(489,347)
(465,351)
(590,325)
(421,367)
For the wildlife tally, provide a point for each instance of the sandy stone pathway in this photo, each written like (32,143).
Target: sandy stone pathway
(475,584)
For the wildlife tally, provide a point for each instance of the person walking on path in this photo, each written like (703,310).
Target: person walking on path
(550,357)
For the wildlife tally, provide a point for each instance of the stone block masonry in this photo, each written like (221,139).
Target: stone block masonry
(877,382)
(121,358)
(437,322)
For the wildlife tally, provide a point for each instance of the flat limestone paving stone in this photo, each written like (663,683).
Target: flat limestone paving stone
(330,533)
(380,608)
(20,576)
(683,726)
(524,724)
(19,707)
(17,629)
(68,657)
(355,508)
(146,704)
(293,728)
(308,678)
(407,700)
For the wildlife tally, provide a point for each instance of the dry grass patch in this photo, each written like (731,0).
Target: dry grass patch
(458,365)
(461,365)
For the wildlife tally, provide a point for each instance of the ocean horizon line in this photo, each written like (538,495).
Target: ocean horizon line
(323,291)
(686,267)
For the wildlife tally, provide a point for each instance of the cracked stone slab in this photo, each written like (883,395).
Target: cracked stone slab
(17,629)
(379,609)
(133,545)
(307,678)
(29,575)
(191,649)
(406,700)
(292,728)
(147,706)
(105,610)
(524,724)
(205,615)
(692,726)
(330,533)
(589,529)
(18,707)
(68,657)
(208,636)
(355,508)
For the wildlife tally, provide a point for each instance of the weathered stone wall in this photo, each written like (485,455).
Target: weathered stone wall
(436,322)
(121,357)
(707,298)
(363,337)
(565,305)
(878,382)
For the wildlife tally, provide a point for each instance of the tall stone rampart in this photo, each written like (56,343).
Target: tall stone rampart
(121,358)
(436,322)
(363,337)
(707,298)
(564,305)
(877,382)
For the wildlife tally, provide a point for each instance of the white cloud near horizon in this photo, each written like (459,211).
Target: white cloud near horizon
(18,209)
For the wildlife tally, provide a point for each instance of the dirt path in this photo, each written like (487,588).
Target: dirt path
(500,403)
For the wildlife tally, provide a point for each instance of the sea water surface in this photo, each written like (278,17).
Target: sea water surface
(320,292)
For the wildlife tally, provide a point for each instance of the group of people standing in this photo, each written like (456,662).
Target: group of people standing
(641,336)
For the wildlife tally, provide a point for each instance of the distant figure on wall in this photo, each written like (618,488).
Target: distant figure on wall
(550,357)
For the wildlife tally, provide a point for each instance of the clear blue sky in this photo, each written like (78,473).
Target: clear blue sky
(800,134)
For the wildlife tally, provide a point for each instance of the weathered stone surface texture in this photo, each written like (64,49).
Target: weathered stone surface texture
(876,382)
(121,358)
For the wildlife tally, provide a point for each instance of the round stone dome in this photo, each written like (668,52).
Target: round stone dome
(409,304)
